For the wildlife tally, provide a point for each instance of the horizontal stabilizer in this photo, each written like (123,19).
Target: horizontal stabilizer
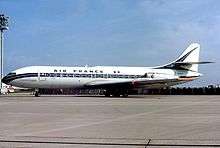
(190,63)
(194,62)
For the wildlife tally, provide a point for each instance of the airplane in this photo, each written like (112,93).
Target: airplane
(115,80)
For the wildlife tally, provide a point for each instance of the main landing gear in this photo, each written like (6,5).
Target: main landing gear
(116,93)
(36,93)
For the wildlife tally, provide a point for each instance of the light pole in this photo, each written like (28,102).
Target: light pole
(3,27)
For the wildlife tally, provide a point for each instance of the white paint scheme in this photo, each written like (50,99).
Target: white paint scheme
(183,69)
(65,82)
(193,57)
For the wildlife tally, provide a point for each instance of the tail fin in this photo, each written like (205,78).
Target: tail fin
(188,60)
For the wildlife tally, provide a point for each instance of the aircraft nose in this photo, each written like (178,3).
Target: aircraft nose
(4,80)
(8,78)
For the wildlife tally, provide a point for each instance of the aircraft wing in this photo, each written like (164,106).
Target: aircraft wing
(137,83)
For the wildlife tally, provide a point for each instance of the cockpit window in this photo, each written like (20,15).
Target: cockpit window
(11,74)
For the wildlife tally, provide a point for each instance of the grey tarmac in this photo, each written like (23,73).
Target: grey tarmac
(96,121)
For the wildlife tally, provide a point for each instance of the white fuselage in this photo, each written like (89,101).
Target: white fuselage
(79,77)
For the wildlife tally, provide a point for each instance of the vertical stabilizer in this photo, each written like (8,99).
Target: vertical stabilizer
(188,60)
(190,55)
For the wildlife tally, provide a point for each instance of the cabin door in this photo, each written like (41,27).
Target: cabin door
(41,76)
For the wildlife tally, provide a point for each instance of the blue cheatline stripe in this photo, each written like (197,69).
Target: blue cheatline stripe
(10,78)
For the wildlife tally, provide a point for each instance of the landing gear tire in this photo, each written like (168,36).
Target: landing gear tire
(107,94)
(36,93)
(116,93)
(125,95)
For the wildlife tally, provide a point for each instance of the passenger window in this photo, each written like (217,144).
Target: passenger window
(77,75)
(64,75)
(47,75)
(132,76)
(52,74)
(83,75)
(99,76)
(126,76)
(105,76)
(70,75)
(114,76)
(42,74)
(120,76)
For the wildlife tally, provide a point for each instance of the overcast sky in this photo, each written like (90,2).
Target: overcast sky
(111,32)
